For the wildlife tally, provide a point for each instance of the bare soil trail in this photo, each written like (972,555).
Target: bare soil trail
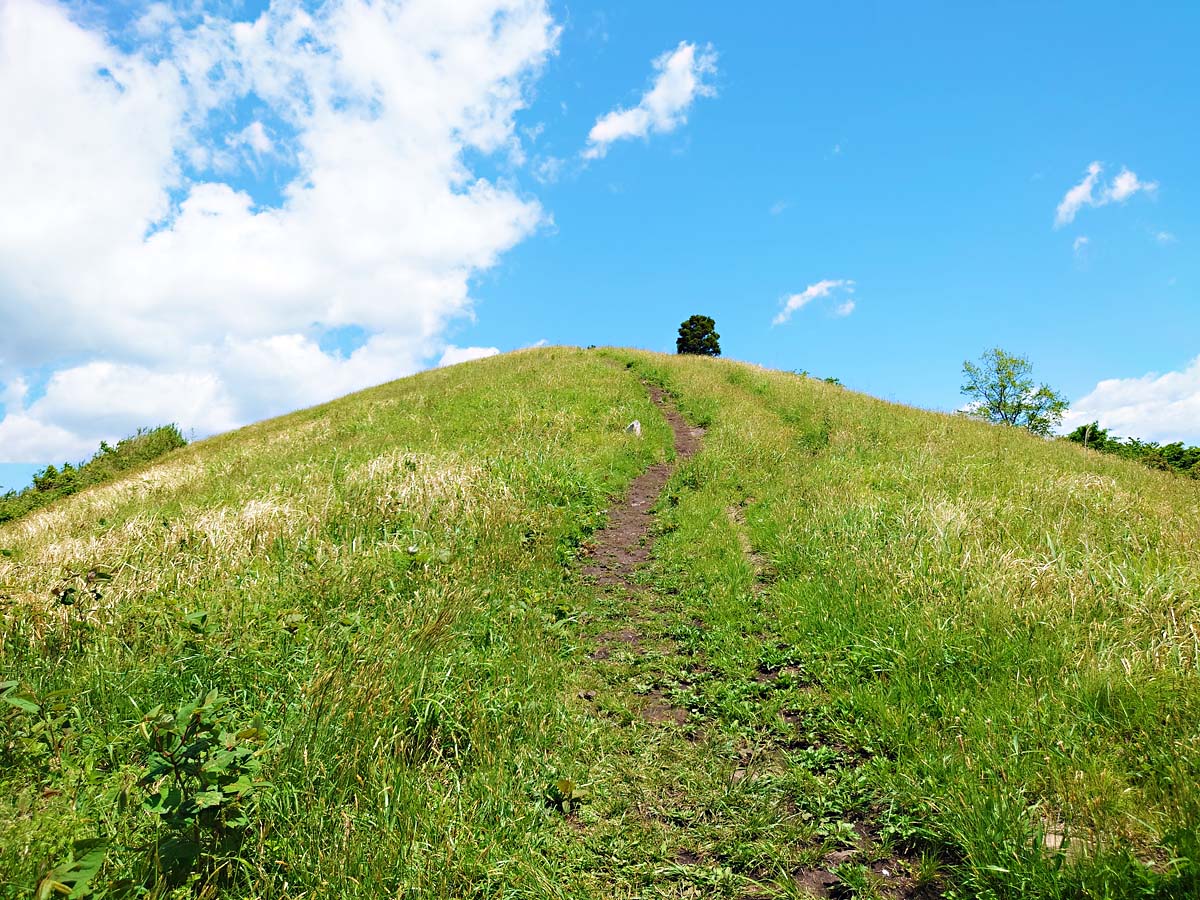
(623,544)
(641,668)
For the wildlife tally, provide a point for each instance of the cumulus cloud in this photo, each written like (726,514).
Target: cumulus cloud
(681,78)
(1092,191)
(455,355)
(1153,407)
(130,260)
(826,288)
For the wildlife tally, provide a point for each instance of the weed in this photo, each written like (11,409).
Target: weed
(201,780)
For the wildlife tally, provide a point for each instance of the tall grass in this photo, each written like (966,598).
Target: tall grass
(1009,625)
(976,647)
(381,581)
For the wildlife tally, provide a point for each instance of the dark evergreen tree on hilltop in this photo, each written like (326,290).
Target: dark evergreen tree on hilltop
(698,335)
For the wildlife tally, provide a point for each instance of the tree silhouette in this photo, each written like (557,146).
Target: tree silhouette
(698,335)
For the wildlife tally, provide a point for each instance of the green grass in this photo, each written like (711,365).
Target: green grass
(902,639)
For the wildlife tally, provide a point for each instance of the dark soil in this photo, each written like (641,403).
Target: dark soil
(623,544)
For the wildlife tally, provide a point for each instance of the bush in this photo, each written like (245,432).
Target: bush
(1173,457)
(51,483)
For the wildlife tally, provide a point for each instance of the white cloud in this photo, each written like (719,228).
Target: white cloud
(85,403)
(779,206)
(826,288)
(166,281)
(1153,407)
(1078,196)
(663,108)
(1125,185)
(1120,189)
(1079,243)
(1165,237)
(255,137)
(26,439)
(455,355)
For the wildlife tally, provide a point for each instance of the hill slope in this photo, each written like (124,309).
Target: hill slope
(874,652)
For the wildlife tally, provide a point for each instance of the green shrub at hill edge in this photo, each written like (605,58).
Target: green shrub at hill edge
(52,482)
(1173,457)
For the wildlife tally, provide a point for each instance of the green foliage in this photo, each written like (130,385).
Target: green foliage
(1002,390)
(73,876)
(33,727)
(1174,457)
(201,780)
(53,483)
(698,336)
(565,795)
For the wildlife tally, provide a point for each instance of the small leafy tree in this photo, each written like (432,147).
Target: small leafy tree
(698,335)
(1093,436)
(1002,391)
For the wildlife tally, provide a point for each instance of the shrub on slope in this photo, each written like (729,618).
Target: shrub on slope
(52,483)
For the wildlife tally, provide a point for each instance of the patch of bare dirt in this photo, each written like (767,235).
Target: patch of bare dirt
(624,543)
(629,637)
(815,882)
(792,674)
(659,711)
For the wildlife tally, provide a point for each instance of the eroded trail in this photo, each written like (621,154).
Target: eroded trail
(715,769)
(623,544)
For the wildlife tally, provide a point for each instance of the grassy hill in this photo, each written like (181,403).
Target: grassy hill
(351,652)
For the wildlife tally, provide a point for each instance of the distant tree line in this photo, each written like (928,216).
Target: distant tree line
(1168,457)
(52,482)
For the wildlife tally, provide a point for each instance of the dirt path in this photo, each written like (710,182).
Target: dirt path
(711,809)
(623,544)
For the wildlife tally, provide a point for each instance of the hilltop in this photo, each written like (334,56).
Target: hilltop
(829,646)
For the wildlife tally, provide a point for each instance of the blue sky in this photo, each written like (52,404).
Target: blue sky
(271,214)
